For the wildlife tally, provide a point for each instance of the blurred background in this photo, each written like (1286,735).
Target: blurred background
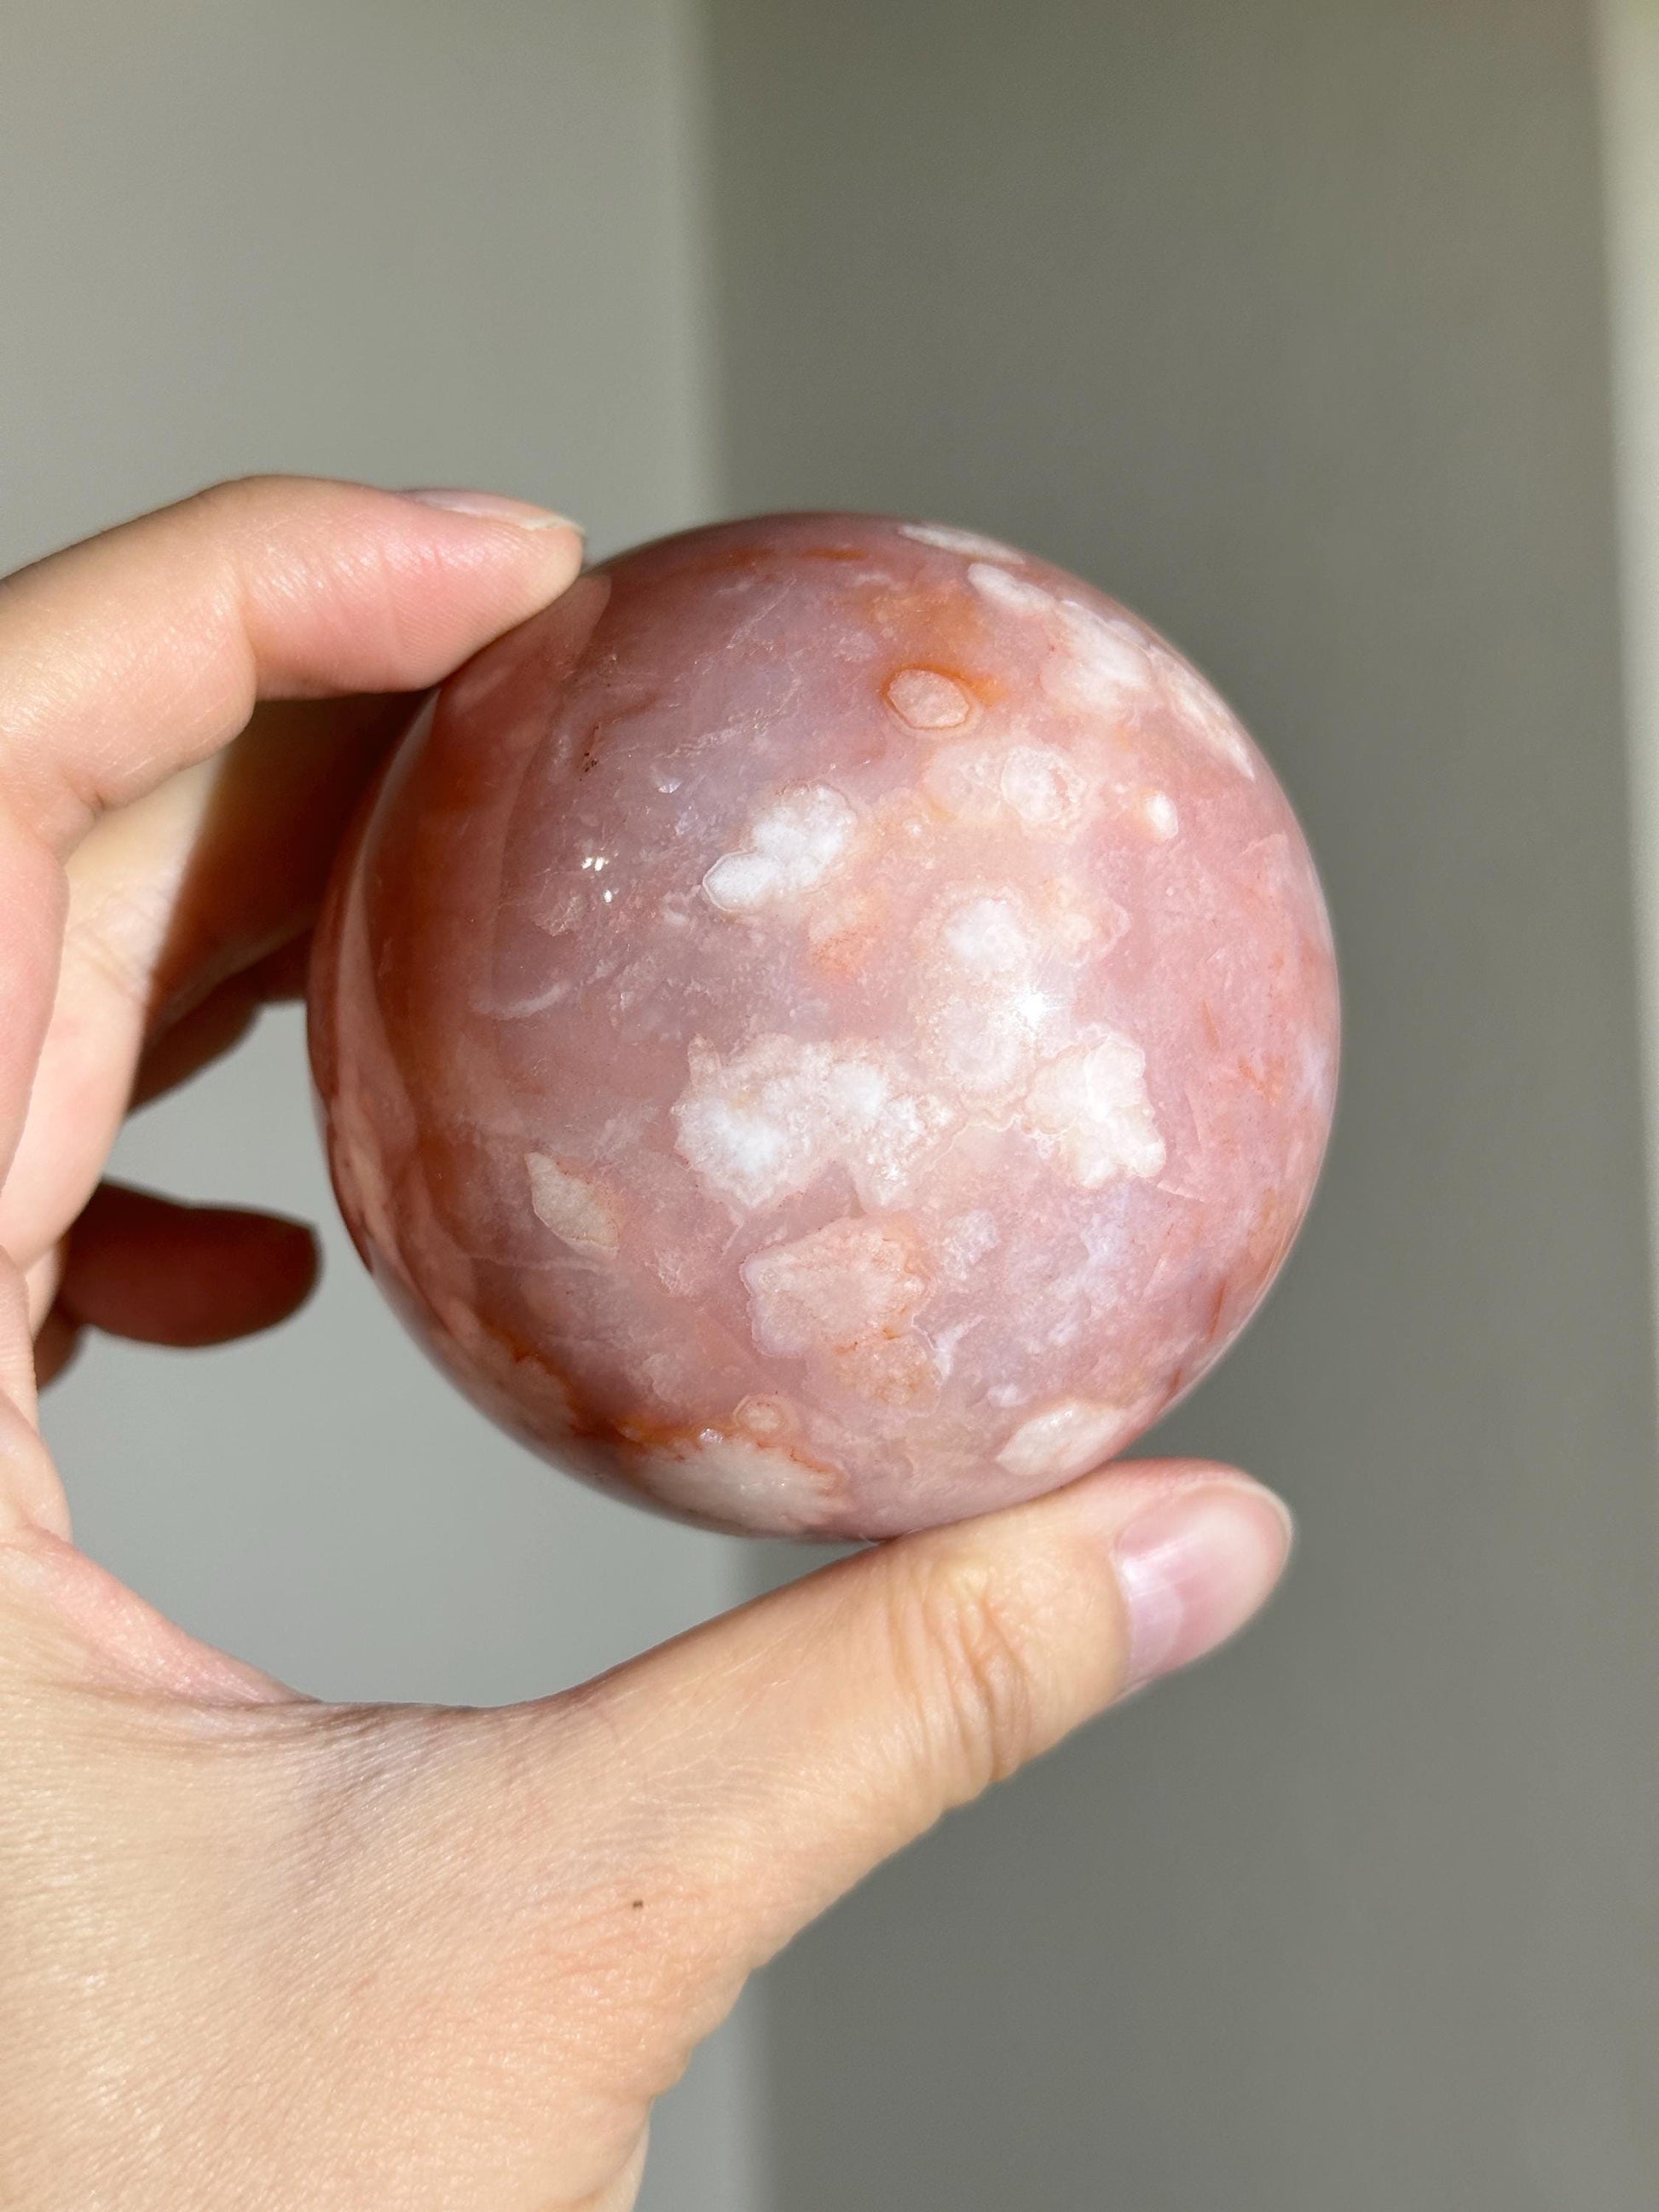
(1328,339)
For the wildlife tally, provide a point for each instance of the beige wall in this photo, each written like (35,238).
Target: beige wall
(1629,45)
(1286,322)
(411,240)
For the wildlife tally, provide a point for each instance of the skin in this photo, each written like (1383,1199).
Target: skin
(259,1950)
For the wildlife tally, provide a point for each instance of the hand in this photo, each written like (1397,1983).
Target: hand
(257,1950)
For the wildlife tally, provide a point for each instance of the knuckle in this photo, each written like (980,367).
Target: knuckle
(241,514)
(237,495)
(221,506)
(966,1656)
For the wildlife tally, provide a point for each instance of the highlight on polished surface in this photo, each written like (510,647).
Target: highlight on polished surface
(830,1028)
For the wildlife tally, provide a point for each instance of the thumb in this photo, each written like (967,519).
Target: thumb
(792,1746)
(734,1783)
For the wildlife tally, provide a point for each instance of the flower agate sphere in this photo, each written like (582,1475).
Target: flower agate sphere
(830,1028)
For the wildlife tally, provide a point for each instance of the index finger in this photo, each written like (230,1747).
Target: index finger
(141,651)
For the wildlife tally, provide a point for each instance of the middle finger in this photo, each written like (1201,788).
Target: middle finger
(169,897)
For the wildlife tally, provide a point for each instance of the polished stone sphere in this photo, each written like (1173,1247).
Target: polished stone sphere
(830,1028)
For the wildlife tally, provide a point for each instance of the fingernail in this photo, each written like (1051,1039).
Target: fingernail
(492,507)
(1194,1568)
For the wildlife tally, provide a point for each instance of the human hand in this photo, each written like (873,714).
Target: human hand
(256,1949)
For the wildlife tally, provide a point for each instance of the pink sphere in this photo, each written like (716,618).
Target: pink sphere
(830,1028)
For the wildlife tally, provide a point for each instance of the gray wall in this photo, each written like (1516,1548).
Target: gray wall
(1286,322)
(416,243)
